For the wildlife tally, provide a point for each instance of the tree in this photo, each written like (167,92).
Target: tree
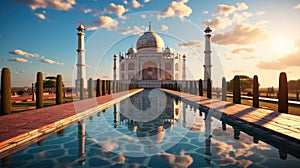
(294,84)
(50,82)
(245,81)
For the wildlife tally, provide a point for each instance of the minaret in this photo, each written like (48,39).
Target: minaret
(207,62)
(183,67)
(81,56)
(115,67)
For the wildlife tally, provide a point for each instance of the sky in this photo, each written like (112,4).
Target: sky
(250,37)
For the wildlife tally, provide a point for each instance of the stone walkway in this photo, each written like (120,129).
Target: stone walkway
(284,125)
(27,98)
(19,129)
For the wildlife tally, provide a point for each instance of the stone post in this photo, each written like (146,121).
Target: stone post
(255,92)
(98,88)
(236,90)
(224,89)
(39,90)
(81,89)
(59,90)
(5,92)
(103,87)
(90,88)
(200,87)
(283,94)
(209,93)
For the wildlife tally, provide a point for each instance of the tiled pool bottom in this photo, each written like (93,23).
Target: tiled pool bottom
(175,138)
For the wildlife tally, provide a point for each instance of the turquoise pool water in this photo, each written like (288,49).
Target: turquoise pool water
(150,129)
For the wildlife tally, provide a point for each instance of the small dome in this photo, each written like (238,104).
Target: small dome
(207,30)
(131,50)
(150,40)
(80,27)
(168,51)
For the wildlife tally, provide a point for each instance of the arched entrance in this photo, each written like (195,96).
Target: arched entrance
(150,71)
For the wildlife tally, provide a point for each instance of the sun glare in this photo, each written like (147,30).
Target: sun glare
(283,45)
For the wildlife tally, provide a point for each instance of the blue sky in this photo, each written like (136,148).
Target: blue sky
(251,37)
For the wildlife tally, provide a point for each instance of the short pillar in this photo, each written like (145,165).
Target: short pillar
(5,92)
(255,92)
(81,89)
(283,94)
(90,88)
(103,87)
(200,87)
(98,88)
(59,90)
(39,90)
(109,87)
(209,93)
(224,89)
(236,90)
(32,92)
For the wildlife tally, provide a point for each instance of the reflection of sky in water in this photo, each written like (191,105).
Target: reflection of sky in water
(167,141)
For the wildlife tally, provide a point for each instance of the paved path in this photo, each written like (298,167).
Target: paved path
(19,129)
(27,98)
(284,125)
(265,99)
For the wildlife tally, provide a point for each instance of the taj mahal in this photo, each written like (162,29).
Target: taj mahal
(150,60)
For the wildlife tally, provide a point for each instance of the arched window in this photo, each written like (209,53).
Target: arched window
(122,67)
(131,66)
(168,66)
(168,76)
(176,76)
(122,76)
(130,76)
(176,67)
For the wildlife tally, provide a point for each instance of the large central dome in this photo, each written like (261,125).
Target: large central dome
(150,40)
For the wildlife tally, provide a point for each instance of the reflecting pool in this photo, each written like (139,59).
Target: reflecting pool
(151,129)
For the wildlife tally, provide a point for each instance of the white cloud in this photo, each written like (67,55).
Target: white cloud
(289,60)
(40,15)
(259,13)
(175,8)
(135,4)
(23,53)
(218,22)
(119,10)
(242,34)
(146,1)
(20,72)
(131,30)
(262,22)
(164,27)
(87,10)
(49,61)
(50,4)
(105,22)
(18,60)
(241,6)
(205,12)
(297,6)
(125,2)
(225,9)
(143,16)
(190,44)
(240,18)
(243,50)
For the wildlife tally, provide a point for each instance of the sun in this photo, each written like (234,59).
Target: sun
(283,45)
